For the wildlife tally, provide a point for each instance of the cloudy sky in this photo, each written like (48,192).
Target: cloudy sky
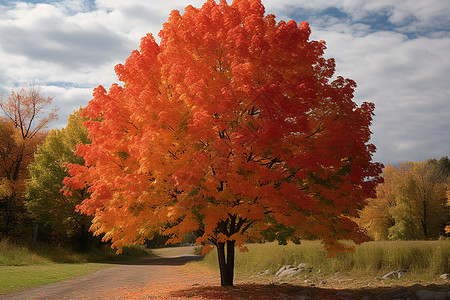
(397,52)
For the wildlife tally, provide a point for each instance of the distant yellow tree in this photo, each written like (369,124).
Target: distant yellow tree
(376,217)
(447,228)
(413,203)
(420,212)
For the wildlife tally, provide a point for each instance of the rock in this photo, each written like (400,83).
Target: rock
(282,269)
(289,272)
(304,267)
(266,272)
(430,295)
(390,275)
(396,294)
(300,268)
(394,274)
(445,276)
(401,273)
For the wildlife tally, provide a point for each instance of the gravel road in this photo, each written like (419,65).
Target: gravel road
(143,279)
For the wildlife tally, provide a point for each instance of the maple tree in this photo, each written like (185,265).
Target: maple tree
(233,124)
(24,120)
(45,200)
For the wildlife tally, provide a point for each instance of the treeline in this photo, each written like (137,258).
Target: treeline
(413,203)
(32,169)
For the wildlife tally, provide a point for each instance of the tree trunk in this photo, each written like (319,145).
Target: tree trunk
(8,214)
(424,220)
(33,243)
(226,263)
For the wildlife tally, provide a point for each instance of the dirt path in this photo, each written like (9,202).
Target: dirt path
(149,278)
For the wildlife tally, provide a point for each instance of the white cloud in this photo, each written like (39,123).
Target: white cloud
(407,79)
(411,17)
(68,100)
(395,51)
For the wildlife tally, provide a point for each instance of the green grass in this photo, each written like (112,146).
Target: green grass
(425,258)
(15,278)
(13,255)
(21,268)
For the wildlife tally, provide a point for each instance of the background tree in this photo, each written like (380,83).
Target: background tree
(7,143)
(421,210)
(411,203)
(376,217)
(447,227)
(231,122)
(45,201)
(25,117)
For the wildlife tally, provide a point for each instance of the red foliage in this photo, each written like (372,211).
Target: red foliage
(231,118)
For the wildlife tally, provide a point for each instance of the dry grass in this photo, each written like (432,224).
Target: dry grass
(420,258)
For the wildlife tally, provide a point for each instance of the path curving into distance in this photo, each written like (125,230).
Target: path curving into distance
(146,278)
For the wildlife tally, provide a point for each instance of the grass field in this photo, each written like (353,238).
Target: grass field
(425,259)
(21,268)
(15,278)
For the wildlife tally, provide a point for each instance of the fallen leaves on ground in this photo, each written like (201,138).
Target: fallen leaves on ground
(195,281)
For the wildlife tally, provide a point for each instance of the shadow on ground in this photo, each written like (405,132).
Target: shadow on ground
(157,260)
(172,261)
(286,291)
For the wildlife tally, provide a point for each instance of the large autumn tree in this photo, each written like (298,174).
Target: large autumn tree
(24,116)
(230,126)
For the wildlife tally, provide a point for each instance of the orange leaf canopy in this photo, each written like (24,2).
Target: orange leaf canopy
(230,125)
